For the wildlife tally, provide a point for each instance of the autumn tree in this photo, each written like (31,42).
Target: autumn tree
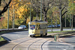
(61,4)
(21,10)
(44,4)
(71,10)
(4,4)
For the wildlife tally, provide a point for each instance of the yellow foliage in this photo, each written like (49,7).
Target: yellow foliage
(28,20)
(4,23)
(22,11)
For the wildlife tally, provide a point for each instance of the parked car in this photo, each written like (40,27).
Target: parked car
(49,26)
(22,27)
(58,25)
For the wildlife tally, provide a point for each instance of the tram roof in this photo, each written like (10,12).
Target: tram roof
(38,21)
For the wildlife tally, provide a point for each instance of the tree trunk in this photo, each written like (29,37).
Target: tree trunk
(45,16)
(31,17)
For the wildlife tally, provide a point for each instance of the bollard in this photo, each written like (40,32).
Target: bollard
(55,37)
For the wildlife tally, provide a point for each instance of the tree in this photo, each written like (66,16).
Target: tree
(61,4)
(21,11)
(36,4)
(71,11)
(5,7)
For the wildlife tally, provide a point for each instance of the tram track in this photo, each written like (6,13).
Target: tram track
(31,44)
(20,43)
(39,44)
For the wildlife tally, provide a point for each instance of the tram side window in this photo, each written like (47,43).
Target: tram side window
(43,26)
(32,27)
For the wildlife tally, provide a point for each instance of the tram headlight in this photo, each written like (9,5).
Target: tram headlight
(33,31)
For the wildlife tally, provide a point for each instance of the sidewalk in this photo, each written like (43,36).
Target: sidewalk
(58,46)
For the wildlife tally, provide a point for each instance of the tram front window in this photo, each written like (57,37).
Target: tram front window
(32,27)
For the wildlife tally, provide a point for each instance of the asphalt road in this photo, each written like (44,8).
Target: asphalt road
(50,45)
(70,40)
(15,35)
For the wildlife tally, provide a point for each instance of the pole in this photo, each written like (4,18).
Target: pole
(72,23)
(56,19)
(72,17)
(30,10)
(8,19)
(13,16)
(51,24)
(70,20)
(41,10)
(65,20)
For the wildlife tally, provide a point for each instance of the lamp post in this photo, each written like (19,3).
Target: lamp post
(30,10)
(8,19)
(72,16)
(41,10)
(13,15)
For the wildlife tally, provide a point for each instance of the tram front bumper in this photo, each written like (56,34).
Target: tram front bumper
(31,34)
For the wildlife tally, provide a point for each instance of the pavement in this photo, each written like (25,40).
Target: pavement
(58,46)
(68,39)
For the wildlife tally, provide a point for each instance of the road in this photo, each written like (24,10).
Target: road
(15,35)
(69,39)
(21,41)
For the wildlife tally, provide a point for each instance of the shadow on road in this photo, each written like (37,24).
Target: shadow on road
(68,36)
(48,36)
(6,38)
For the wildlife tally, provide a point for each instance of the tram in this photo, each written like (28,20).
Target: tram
(37,28)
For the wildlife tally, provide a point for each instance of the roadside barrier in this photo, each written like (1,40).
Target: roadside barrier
(9,30)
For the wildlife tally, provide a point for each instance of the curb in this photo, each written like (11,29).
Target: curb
(3,42)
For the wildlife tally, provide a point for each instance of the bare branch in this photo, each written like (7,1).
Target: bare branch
(5,8)
(63,8)
(64,13)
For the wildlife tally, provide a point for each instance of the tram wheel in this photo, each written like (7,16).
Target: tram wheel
(32,36)
(41,35)
(45,34)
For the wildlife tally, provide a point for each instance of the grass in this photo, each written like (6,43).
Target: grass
(60,31)
(59,28)
(1,39)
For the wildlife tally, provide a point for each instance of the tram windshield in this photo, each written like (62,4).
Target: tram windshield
(32,27)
